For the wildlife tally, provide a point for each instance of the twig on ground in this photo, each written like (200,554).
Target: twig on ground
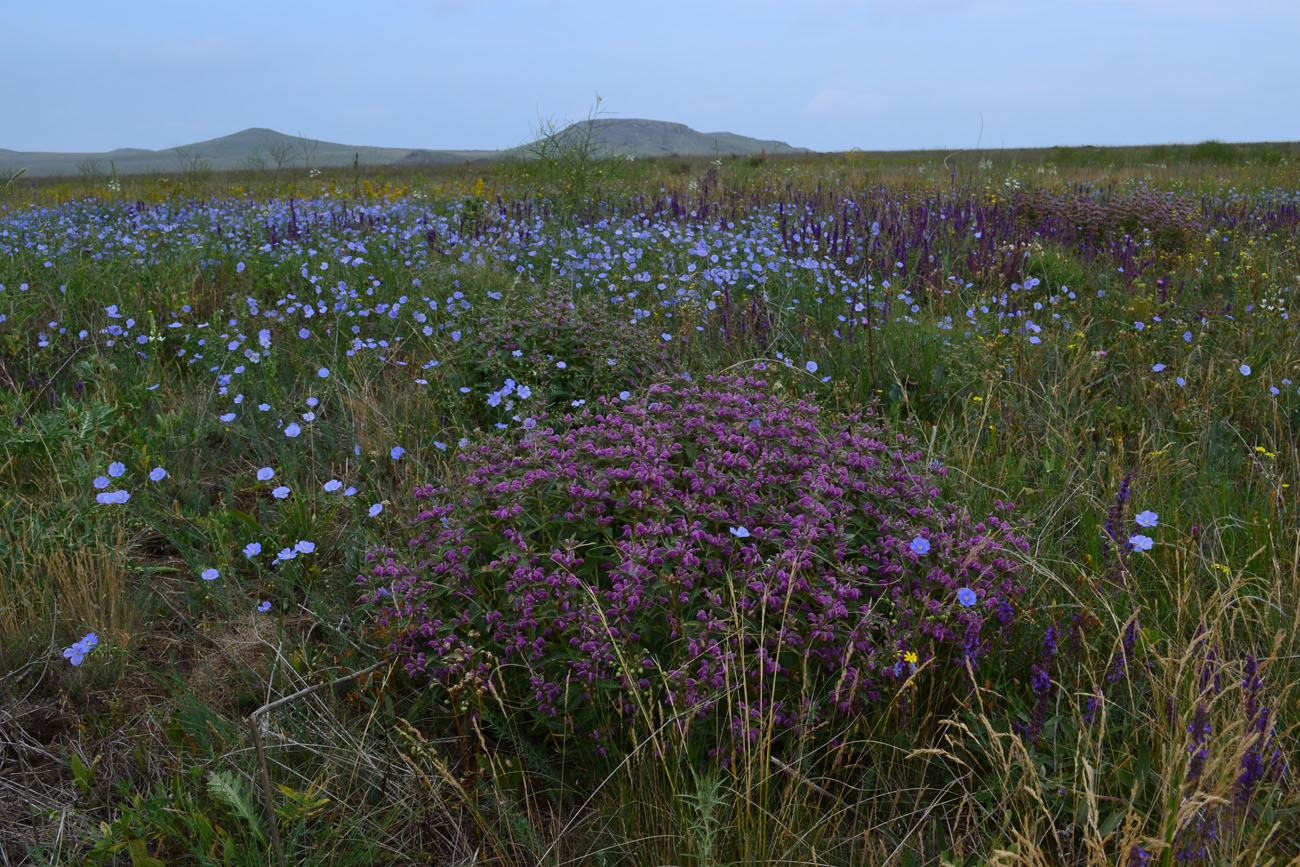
(251,720)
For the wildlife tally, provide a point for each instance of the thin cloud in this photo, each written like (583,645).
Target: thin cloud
(187,55)
(1212,9)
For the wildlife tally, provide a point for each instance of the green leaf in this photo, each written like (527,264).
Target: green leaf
(81,773)
(229,790)
(1111,822)
(140,856)
(251,523)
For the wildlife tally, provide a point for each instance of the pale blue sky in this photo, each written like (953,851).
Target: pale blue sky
(825,74)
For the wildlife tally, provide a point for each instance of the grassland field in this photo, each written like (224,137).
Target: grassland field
(858,509)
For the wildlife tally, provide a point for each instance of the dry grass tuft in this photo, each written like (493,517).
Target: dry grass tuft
(76,591)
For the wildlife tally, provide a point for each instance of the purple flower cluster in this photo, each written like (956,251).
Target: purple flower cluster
(664,544)
(1114,551)
(1041,682)
(1263,757)
(1262,762)
(1099,216)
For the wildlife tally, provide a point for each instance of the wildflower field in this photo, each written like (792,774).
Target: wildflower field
(834,510)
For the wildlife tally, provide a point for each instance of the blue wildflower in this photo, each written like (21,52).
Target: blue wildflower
(80,648)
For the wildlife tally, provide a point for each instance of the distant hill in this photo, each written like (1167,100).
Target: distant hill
(656,138)
(251,148)
(260,148)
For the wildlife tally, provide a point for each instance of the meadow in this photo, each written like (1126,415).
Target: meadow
(840,510)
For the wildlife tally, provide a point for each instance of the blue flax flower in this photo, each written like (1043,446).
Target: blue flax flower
(79,649)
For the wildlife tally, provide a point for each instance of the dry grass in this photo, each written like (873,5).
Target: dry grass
(65,589)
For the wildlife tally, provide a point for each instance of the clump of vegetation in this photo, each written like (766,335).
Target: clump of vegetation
(565,349)
(1170,220)
(714,552)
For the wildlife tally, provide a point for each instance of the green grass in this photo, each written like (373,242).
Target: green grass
(141,755)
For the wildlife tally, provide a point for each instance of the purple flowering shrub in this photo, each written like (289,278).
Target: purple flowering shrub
(1170,220)
(715,553)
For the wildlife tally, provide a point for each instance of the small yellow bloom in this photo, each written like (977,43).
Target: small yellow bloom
(910,657)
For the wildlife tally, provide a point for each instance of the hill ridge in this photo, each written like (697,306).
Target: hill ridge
(264,147)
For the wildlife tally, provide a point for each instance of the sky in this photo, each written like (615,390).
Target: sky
(830,75)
